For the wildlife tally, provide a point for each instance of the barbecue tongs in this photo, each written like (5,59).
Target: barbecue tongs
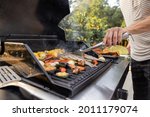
(124,36)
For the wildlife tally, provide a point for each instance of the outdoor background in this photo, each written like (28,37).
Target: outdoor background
(89,19)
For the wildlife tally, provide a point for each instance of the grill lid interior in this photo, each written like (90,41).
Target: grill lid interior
(39,17)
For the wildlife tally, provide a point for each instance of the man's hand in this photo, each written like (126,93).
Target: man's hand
(113,36)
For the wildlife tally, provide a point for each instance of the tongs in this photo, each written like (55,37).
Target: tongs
(124,36)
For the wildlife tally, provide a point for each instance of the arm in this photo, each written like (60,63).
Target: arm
(139,27)
(114,35)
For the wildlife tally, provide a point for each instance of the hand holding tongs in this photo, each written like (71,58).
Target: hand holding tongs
(125,35)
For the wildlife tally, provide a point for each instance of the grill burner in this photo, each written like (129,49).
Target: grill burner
(7,76)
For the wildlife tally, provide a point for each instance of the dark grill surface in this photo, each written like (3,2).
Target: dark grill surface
(67,87)
(75,80)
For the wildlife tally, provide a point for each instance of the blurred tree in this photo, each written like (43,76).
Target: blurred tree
(114,16)
(89,21)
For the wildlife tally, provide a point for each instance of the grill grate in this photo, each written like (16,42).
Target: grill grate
(76,79)
(65,86)
(7,76)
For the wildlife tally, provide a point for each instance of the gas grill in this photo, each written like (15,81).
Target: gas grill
(20,58)
(36,29)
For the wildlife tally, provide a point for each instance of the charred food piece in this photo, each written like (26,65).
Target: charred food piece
(81,63)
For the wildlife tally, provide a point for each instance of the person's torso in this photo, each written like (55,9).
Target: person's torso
(133,11)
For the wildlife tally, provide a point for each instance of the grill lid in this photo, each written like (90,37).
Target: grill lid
(39,17)
(31,19)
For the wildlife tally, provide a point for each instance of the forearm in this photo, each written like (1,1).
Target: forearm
(139,27)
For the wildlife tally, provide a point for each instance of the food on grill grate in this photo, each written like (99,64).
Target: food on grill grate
(62,69)
(62,74)
(78,69)
(55,53)
(76,58)
(45,55)
(106,51)
(81,63)
(49,68)
(59,62)
(95,62)
(102,59)
(118,48)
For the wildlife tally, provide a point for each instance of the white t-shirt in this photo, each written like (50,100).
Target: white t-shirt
(134,10)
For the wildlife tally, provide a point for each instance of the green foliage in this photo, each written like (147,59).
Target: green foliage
(123,24)
(89,21)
